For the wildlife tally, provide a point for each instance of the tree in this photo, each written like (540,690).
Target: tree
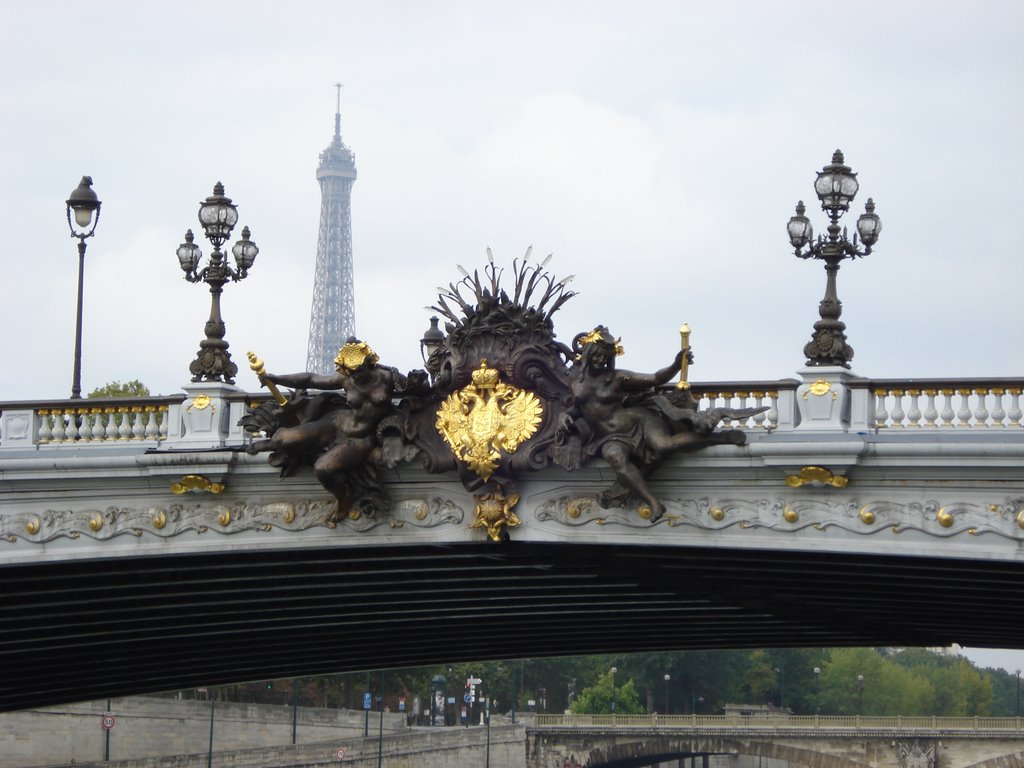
(597,699)
(133,388)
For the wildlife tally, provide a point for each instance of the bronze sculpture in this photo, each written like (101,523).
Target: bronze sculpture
(620,416)
(337,431)
(503,398)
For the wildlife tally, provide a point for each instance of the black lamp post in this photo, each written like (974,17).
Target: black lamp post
(836,186)
(218,215)
(817,689)
(613,670)
(667,678)
(1018,693)
(860,694)
(83,216)
(782,687)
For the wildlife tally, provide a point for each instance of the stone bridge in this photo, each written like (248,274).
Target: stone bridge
(805,742)
(142,551)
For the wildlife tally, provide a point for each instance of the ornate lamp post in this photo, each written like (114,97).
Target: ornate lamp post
(667,678)
(218,215)
(836,186)
(83,216)
(860,694)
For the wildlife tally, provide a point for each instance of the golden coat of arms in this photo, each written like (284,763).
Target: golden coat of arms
(487,417)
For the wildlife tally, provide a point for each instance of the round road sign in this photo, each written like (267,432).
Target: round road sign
(107,722)
(341,753)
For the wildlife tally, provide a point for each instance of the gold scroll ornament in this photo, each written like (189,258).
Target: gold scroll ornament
(487,418)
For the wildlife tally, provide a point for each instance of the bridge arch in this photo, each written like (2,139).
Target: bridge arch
(1010,760)
(651,749)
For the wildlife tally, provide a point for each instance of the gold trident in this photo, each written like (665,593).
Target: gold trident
(258,368)
(684,364)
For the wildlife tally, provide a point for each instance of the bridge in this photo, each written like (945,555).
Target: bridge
(140,551)
(163,732)
(813,741)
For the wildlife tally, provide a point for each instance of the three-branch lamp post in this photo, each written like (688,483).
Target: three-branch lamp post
(218,215)
(83,215)
(836,186)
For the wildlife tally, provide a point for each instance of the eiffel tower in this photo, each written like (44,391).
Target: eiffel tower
(332,318)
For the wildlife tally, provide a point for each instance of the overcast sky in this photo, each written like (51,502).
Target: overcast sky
(656,148)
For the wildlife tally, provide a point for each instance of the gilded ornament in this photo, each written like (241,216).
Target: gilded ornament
(200,402)
(494,512)
(196,483)
(945,518)
(813,474)
(224,517)
(487,418)
(717,514)
(819,388)
(867,516)
(159,519)
(790,515)
(1020,519)
(95,522)
(33,526)
(353,355)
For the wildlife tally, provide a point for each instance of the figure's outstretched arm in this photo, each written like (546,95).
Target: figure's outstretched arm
(307,380)
(637,382)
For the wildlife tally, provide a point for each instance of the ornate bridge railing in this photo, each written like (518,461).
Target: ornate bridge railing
(790,723)
(946,403)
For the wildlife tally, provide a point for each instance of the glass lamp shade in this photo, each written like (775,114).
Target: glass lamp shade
(432,339)
(245,251)
(84,206)
(869,225)
(799,228)
(836,185)
(218,215)
(189,253)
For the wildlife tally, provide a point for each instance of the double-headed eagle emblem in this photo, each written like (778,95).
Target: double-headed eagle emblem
(486,418)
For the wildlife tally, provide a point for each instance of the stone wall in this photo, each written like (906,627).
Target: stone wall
(151,727)
(422,748)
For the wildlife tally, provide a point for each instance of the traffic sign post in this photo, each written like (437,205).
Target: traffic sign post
(107,721)
(341,753)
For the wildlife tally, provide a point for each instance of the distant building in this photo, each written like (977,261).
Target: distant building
(332,318)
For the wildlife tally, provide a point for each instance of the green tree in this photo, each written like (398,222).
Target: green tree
(598,698)
(133,388)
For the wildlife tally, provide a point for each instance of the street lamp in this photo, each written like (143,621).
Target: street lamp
(433,339)
(667,678)
(1018,693)
(817,680)
(83,216)
(218,215)
(694,701)
(836,186)
(782,687)
(614,670)
(860,694)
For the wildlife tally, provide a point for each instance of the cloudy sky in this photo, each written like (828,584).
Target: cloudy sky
(656,148)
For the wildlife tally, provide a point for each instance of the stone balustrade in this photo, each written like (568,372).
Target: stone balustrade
(718,723)
(946,403)
(869,405)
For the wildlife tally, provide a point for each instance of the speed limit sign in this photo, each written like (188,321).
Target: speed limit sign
(341,753)
(107,722)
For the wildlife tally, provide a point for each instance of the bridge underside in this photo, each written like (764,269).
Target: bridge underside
(91,629)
